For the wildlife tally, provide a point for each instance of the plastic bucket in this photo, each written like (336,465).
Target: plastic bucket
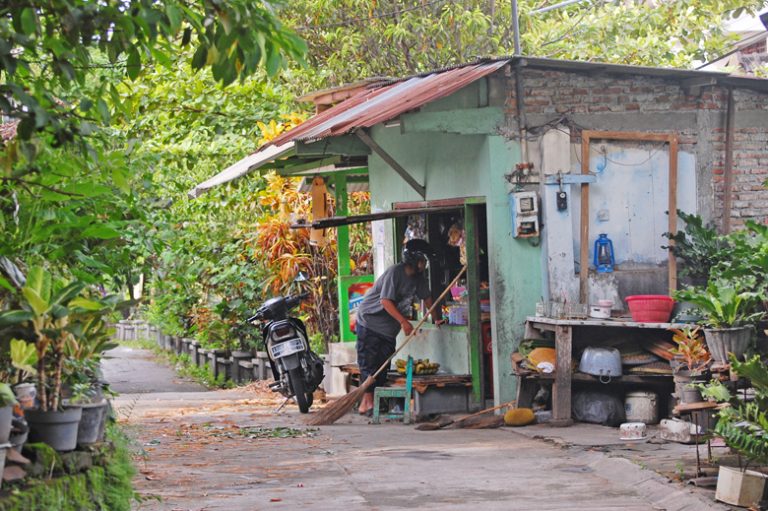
(642,406)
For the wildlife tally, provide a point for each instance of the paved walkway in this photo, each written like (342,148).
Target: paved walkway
(227,450)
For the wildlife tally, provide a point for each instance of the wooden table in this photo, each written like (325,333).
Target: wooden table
(563,329)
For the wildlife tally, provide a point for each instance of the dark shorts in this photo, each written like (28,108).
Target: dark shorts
(373,349)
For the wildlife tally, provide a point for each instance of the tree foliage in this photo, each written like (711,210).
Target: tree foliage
(351,39)
(50,48)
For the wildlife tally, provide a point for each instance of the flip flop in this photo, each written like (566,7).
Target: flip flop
(367,413)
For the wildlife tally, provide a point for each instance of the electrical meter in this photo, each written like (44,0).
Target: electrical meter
(525,214)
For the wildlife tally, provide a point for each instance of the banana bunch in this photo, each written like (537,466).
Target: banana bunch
(420,366)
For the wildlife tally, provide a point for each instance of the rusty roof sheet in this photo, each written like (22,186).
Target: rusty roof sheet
(382,102)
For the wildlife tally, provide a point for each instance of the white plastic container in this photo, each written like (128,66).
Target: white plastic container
(600,311)
(633,431)
(642,406)
(737,488)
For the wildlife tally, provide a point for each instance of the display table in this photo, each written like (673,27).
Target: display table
(535,327)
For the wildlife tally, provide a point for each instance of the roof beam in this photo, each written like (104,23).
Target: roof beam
(293,168)
(376,148)
(343,145)
(469,121)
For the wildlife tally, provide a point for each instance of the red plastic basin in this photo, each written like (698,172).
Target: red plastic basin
(650,308)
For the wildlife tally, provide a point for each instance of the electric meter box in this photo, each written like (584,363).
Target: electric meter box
(525,214)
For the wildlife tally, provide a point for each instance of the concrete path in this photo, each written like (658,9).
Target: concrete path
(135,371)
(227,450)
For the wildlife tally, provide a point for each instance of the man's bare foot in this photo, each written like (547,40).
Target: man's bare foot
(366,404)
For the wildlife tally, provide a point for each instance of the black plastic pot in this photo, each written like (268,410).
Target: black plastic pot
(94,414)
(55,428)
(685,386)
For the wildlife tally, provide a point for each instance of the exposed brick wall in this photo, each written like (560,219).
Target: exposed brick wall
(551,94)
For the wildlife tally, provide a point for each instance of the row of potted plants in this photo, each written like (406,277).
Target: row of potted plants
(727,295)
(56,332)
(238,366)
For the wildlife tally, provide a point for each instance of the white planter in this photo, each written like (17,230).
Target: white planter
(722,341)
(737,488)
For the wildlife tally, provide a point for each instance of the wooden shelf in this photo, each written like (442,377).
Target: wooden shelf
(617,323)
(626,379)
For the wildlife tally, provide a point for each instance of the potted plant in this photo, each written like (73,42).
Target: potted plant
(91,337)
(24,360)
(7,402)
(46,305)
(695,361)
(744,428)
(730,313)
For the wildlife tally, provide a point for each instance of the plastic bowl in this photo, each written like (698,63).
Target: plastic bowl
(650,308)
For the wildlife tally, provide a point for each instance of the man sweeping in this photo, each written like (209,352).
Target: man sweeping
(383,312)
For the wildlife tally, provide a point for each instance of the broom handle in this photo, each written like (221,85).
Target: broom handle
(483,412)
(418,325)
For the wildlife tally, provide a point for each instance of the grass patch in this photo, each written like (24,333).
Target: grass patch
(187,369)
(142,344)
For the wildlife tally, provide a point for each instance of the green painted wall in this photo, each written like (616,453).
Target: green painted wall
(462,166)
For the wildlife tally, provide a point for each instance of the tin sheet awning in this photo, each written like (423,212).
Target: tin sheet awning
(383,102)
(242,167)
(371,106)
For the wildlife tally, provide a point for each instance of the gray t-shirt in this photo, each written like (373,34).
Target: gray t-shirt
(393,285)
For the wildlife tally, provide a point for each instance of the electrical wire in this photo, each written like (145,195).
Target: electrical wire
(651,154)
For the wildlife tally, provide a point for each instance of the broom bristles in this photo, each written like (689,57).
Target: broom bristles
(340,407)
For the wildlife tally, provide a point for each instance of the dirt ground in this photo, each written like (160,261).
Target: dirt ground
(228,450)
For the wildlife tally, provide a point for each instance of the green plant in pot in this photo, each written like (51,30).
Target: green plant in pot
(46,305)
(694,359)
(744,428)
(90,338)
(24,363)
(730,313)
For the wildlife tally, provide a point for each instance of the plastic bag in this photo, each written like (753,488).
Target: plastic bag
(598,408)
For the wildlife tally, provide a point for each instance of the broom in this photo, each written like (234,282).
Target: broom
(341,406)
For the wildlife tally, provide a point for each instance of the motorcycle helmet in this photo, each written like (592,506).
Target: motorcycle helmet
(416,250)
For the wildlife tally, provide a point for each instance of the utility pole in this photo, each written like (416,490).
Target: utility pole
(516,28)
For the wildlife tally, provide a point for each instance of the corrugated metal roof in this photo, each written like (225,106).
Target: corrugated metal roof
(381,103)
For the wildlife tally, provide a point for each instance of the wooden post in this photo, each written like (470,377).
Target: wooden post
(639,136)
(561,389)
(342,250)
(584,222)
(473,319)
(673,146)
(728,170)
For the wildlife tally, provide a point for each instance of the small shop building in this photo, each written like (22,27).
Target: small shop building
(517,166)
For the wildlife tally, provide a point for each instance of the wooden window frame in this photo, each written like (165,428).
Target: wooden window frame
(632,136)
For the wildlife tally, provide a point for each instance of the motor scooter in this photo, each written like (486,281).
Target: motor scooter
(297,370)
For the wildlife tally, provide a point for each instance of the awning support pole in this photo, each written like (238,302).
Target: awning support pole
(376,148)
